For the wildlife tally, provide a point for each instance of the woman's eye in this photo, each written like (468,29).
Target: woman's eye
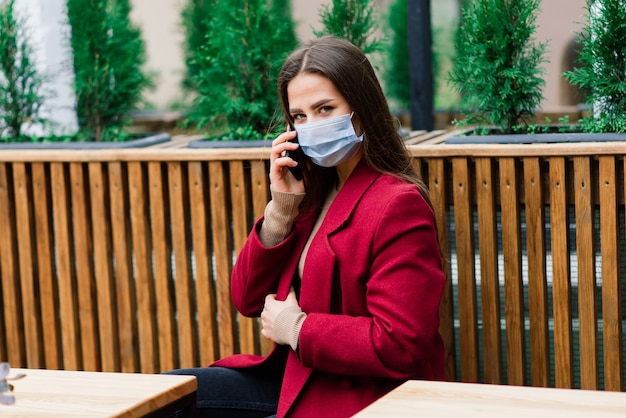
(325,109)
(299,116)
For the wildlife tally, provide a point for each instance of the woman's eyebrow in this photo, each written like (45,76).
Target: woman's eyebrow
(315,105)
(320,103)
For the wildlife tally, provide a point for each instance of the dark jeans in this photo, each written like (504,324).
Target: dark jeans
(227,393)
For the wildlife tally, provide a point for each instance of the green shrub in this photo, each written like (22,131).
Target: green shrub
(602,74)
(21,94)
(353,20)
(497,66)
(246,43)
(109,54)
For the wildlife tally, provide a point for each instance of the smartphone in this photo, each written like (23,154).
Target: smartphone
(296,156)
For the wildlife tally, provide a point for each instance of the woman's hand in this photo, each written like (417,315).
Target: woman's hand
(271,310)
(280,177)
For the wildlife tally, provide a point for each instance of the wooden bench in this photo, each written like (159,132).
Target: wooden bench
(120,260)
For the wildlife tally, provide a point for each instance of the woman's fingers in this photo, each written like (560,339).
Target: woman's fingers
(280,177)
(282,143)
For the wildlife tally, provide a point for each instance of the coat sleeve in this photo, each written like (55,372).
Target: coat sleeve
(396,334)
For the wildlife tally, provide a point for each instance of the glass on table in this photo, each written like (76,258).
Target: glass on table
(5,387)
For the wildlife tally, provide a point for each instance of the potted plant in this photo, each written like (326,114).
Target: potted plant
(602,67)
(109,80)
(21,95)
(235,71)
(498,75)
(497,69)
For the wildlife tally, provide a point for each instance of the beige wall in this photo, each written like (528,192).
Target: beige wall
(558,23)
(160,22)
(306,14)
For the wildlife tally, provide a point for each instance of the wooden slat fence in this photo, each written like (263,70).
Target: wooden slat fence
(121,260)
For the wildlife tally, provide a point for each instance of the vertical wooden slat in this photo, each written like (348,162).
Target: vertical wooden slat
(240,205)
(124,284)
(585,254)
(103,270)
(260,197)
(223,258)
(45,267)
(561,284)
(260,187)
(84,270)
(537,282)
(11,298)
(513,279)
(164,285)
(468,316)
(205,291)
(611,294)
(185,297)
(30,300)
(67,287)
(438,194)
(142,250)
(490,288)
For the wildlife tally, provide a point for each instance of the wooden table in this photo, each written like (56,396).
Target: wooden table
(467,400)
(57,393)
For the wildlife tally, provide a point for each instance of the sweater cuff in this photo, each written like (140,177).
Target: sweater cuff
(278,217)
(287,326)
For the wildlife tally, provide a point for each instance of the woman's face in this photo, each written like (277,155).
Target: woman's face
(313,97)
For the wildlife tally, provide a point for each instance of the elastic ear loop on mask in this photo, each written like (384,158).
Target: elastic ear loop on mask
(363,133)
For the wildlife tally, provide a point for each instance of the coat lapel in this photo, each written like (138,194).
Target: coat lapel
(317,277)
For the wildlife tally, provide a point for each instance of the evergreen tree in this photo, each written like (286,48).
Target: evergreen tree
(497,67)
(353,20)
(195,20)
(281,9)
(20,83)
(602,74)
(109,54)
(238,68)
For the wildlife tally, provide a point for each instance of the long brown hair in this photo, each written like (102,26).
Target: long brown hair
(350,71)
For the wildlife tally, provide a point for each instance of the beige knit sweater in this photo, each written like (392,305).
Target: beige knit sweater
(279,215)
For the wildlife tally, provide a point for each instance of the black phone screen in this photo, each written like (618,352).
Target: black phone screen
(296,156)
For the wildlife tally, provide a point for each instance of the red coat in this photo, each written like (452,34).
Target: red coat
(371,288)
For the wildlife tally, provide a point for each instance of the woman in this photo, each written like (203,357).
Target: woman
(344,267)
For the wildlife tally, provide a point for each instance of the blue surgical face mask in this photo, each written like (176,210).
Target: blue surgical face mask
(329,142)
